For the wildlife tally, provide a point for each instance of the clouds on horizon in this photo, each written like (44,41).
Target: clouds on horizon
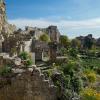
(64,25)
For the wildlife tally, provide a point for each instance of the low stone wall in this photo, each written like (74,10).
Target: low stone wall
(28,85)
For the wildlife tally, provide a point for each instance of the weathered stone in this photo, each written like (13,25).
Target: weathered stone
(28,86)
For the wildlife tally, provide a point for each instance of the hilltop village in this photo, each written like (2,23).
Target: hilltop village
(41,64)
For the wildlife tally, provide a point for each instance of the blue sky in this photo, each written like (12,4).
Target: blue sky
(73,17)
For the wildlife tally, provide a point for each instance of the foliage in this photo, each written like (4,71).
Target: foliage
(63,51)
(64,41)
(90,94)
(91,76)
(94,65)
(28,62)
(5,70)
(24,55)
(77,83)
(45,38)
(27,57)
(68,68)
(75,43)
(73,52)
(76,73)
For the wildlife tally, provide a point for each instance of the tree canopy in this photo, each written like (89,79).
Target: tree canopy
(44,38)
(64,41)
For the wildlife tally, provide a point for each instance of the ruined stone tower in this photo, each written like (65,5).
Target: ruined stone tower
(2,14)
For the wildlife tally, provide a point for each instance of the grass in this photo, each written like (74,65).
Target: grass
(95,63)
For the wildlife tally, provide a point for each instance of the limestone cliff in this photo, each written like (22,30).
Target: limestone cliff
(2,14)
(5,27)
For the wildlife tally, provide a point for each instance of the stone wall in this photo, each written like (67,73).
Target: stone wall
(52,31)
(29,85)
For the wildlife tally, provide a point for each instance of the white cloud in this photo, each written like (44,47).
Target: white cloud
(90,23)
(66,25)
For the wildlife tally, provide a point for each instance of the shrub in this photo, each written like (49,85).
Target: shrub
(73,52)
(91,76)
(69,68)
(5,71)
(90,94)
(77,83)
(45,38)
(27,57)
(24,55)
(29,62)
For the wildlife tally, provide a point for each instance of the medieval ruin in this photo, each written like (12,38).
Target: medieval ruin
(26,84)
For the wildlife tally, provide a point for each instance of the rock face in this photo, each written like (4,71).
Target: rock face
(2,21)
(2,14)
(5,28)
(28,85)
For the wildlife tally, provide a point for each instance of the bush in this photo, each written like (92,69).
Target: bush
(24,55)
(27,57)
(44,38)
(28,62)
(91,76)
(69,68)
(77,83)
(90,94)
(73,52)
(5,71)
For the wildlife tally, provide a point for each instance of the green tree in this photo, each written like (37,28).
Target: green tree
(75,43)
(44,38)
(64,41)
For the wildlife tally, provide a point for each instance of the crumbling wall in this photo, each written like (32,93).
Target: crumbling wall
(29,85)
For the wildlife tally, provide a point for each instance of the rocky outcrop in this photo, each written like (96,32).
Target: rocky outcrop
(29,84)
(2,15)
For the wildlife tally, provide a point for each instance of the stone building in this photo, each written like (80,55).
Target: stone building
(52,32)
(41,49)
(83,39)
(14,41)
(33,44)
